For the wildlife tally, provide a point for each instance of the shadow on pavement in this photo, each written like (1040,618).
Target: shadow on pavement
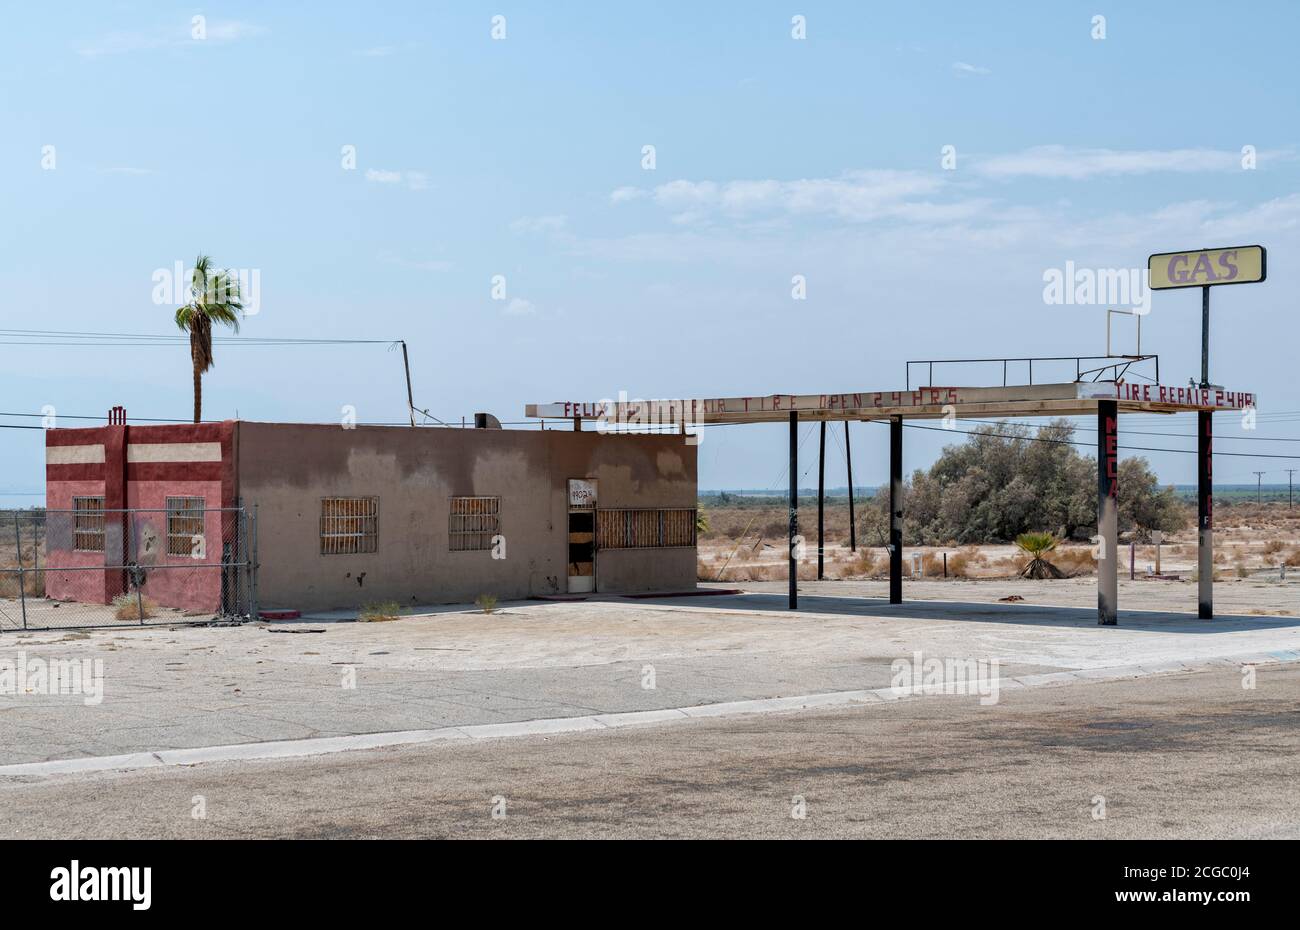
(1160,621)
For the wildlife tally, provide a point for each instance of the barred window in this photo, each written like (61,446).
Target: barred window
(349,525)
(88,524)
(184,522)
(474,521)
(645,529)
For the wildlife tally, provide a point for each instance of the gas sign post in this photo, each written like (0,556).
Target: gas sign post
(1206,268)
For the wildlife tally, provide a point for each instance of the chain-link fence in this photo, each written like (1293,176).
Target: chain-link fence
(93,567)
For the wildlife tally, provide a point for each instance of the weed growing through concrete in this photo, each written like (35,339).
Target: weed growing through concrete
(380,612)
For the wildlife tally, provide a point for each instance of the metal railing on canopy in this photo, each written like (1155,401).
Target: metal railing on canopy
(1119,367)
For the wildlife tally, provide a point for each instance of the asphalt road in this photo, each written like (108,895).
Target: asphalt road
(1187,755)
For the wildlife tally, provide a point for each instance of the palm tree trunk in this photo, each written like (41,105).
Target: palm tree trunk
(198,393)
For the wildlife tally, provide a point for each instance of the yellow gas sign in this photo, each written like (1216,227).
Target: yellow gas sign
(1240,264)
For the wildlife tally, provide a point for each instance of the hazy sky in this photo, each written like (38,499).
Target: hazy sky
(524,157)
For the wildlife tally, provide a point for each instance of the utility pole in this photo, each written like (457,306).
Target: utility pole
(1259,487)
(1290,473)
(410,398)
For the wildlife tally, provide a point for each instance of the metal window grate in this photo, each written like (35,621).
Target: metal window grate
(349,525)
(474,522)
(88,524)
(184,523)
(645,529)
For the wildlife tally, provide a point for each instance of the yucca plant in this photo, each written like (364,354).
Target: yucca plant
(1036,546)
(214,298)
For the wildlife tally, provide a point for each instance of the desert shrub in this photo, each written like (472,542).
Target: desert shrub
(1077,560)
(380,612)
(1037,546)
(959,565)
(128,607)
(486,603)
(1006,480)
(863,564)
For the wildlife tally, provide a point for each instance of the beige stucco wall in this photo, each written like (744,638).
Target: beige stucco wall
(285,470)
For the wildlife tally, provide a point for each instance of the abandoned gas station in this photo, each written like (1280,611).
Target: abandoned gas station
(1119,384)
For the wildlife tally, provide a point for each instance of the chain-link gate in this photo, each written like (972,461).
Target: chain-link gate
(92,567)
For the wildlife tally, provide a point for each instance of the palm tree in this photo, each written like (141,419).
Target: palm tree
(1036,546)
(214,298)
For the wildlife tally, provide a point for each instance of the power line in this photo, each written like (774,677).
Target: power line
(1131,432)
(54,337)
(1071,442)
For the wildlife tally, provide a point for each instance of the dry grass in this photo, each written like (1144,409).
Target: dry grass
(130,607)
(381,612)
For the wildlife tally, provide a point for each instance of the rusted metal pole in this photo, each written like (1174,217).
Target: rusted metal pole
(1205,514)
(1107,515)
(821,506)
(853,520)
(896,510)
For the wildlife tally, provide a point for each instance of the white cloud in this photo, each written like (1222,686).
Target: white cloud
(961,68)
(540,224)
(1058,161)
(625,194)
(414,180)
(378,51)
(856,196)
(119,42)
(520,307)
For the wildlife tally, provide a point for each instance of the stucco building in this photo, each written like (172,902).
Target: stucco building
(348,516)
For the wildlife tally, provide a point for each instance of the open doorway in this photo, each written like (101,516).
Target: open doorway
(582,535)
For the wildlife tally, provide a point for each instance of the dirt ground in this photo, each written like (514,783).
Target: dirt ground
(749,544)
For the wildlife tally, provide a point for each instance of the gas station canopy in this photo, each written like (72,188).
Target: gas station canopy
(1088,394)
(1024,400)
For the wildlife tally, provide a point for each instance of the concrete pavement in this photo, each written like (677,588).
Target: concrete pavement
(186,688)
(1185,755)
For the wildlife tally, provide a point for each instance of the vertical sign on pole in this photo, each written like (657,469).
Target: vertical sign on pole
(1206,268)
